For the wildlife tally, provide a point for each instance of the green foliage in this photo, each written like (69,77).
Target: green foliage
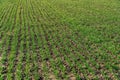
(59,39)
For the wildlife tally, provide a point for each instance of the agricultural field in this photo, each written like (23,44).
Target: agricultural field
(59,39)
